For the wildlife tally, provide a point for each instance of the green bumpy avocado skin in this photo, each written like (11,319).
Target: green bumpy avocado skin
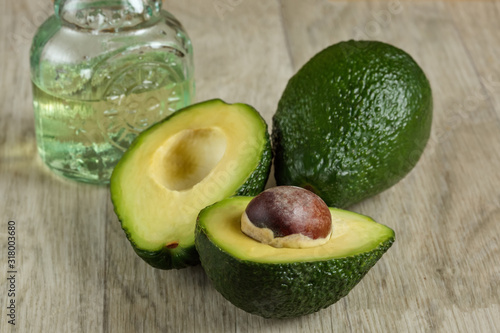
(352,122)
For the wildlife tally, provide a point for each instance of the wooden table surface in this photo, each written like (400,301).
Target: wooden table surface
(76,272)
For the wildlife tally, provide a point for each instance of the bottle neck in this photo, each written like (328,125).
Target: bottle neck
(106,15)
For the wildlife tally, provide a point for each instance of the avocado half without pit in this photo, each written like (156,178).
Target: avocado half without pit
(277,279)
(197,156)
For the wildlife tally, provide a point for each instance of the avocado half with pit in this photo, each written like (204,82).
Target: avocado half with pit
(195,157)
(286,282)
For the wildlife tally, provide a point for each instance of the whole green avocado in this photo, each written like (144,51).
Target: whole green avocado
(352,122)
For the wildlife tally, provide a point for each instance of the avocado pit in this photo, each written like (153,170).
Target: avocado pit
(287,216)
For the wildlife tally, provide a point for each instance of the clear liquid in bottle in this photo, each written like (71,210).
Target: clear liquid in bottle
(97,86)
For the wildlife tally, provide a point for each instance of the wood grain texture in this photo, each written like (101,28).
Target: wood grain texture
(78,273)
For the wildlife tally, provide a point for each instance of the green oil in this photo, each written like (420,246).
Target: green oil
(83,128)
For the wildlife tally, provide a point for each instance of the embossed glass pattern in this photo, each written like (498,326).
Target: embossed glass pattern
(103,71)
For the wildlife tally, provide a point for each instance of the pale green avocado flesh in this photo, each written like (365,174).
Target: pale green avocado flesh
(285,282)
(199,155)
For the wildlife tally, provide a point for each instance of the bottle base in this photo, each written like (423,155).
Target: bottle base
(77,176)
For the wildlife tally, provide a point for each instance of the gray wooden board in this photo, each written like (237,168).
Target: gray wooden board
(76,272)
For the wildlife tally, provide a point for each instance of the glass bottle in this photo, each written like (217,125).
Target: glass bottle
(103,71)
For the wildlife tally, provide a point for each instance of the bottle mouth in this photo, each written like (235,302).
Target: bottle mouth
(110,15)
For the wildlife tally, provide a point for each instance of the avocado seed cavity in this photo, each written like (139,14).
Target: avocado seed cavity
(287,216)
